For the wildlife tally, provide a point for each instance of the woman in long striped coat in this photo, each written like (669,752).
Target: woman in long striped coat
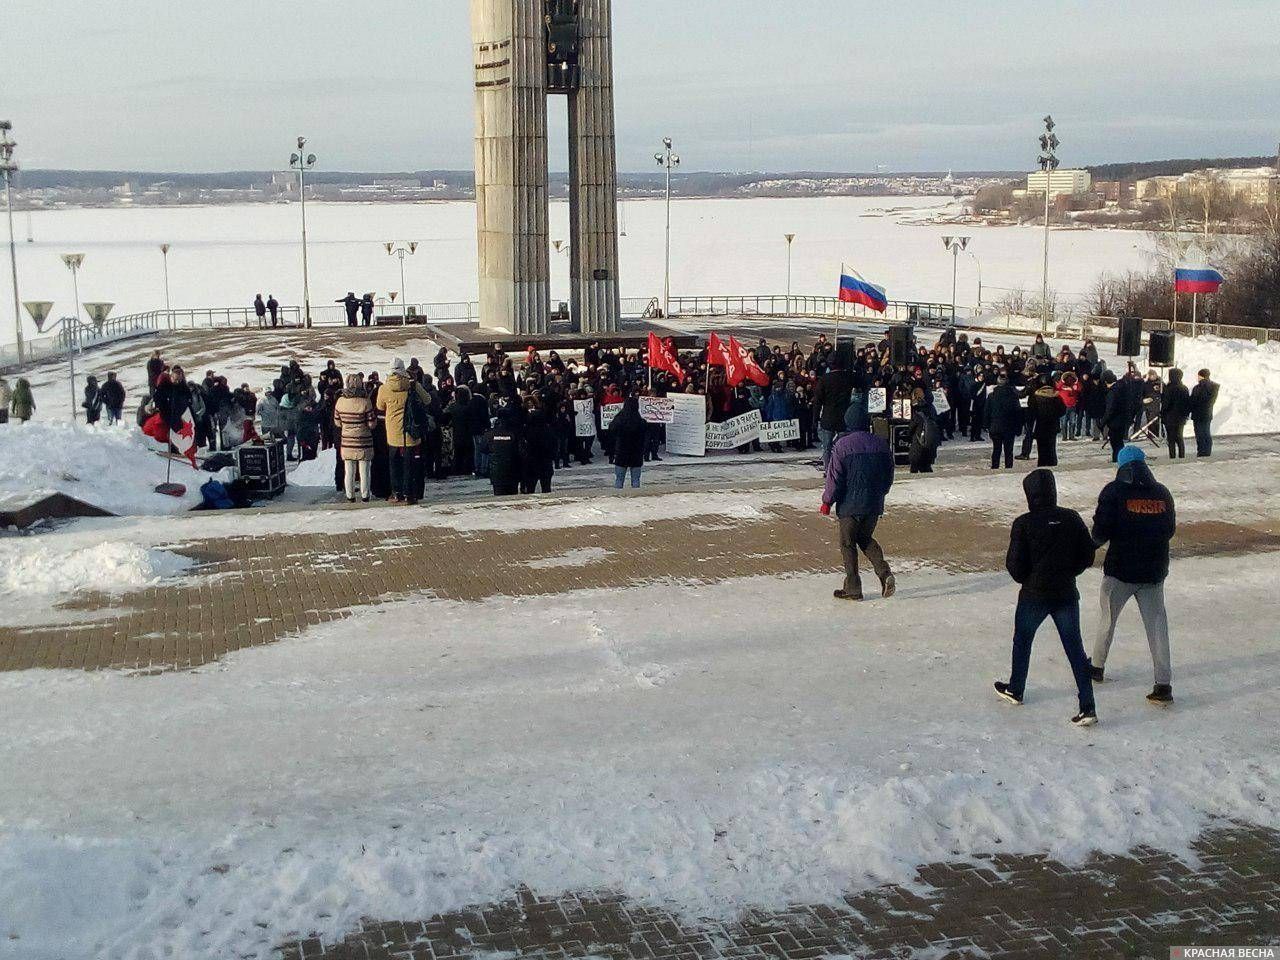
(355,418)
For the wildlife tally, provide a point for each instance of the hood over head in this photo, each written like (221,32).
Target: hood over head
(1041,489)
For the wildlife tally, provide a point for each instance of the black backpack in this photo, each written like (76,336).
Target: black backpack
(418,421)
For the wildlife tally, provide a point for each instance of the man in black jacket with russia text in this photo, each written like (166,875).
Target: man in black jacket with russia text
(1048,548)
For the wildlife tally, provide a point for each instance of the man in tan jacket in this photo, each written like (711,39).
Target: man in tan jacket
(405,430)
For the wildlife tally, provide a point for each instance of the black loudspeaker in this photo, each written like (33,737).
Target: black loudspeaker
(1160,348)
(1130,337)
(899,346)
(847,352)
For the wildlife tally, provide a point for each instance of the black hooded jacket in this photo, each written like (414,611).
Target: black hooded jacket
(1049,546)
(1136,517)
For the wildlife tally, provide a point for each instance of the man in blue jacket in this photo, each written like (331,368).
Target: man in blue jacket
(859,476)
(1135,516)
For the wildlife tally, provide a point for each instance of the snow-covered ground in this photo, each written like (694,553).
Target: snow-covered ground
(705,748)
(222,256)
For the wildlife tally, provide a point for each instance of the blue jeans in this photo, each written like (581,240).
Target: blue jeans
(1066,617)
(828,439)
(620,477)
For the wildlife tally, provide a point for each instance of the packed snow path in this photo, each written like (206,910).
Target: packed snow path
(397,713)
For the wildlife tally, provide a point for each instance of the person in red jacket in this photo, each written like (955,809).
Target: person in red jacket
(1068,388)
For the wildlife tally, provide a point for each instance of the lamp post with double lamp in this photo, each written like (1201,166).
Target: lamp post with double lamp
(790,238)
(302,163)
(1049,144)
(956,245)
(402,250)
(8,168)
(669,161)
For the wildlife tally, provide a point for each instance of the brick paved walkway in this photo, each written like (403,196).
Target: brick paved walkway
(1012,907)
(253,590)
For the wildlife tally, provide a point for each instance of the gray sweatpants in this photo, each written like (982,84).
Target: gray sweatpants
(1150,596)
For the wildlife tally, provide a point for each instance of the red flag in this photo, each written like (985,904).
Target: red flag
(184,438)
(718,355)
(662,356)
(753,371)
(155,428)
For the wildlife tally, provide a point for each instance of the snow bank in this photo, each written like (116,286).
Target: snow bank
(115,468)
(1249,375)
(38,572)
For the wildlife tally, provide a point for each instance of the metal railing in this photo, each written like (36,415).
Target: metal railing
(898,311)
(82,336)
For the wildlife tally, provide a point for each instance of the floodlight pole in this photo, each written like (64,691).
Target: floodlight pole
(73,262)
(1049,144)
(669,161)
(301,162)
(790,240)
(8,168)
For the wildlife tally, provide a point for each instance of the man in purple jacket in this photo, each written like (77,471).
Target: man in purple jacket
(858,478)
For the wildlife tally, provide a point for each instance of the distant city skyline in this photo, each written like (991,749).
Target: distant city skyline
(148,85)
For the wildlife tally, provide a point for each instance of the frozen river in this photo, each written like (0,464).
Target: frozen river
(222,256)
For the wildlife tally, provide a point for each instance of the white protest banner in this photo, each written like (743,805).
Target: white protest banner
(902,409)
(940,402)
(780,431)
(877,400)
(607,412)
(734,433)
(657,409)
(584,418)
(687,431)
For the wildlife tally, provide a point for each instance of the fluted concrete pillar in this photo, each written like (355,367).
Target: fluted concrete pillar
(593,177)
(511,164)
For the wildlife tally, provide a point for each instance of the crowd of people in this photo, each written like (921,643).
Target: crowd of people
(512,418)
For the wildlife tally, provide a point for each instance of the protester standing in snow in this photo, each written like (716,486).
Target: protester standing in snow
(6,396)
(355,419)
(155,367)
(1203,396)
(627,433)
(858,479)
(406,405)
(92,402)
(1049,547)
(831,397)
(260,310)
(1174,414)
(273,307)
(113,398)
(1135,517)
(350,303)
(22,404)
(1004,422)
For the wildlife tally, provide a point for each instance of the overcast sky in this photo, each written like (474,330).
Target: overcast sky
(742,85)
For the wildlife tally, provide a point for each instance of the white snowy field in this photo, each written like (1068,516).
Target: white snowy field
(222,256)
(706,748)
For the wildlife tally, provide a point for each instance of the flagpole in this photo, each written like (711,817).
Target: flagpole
(839,309)
(1195,309)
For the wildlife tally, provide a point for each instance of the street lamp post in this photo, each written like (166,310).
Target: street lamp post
(168,306)
(402,250)
(8,168)
(956,245)
(1049,144)
(978,263)
(302,163)
(73,262)
(790,237)
(669,161)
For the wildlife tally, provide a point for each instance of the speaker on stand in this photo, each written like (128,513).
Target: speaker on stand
(1130,337)
(900,346)
(1160,348)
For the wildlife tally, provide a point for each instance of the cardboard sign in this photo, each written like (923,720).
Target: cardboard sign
(657,409)
(734,433)
(687,431)
(877,400)
(780,431)
(902,409)
(584,418)
(940,402)
(607,414)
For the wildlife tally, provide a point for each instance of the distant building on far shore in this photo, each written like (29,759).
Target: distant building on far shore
(1060,182)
